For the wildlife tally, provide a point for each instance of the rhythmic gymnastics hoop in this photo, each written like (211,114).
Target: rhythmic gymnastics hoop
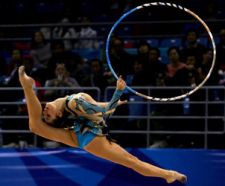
(173,6)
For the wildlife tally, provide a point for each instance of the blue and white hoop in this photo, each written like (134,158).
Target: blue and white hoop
(173,6)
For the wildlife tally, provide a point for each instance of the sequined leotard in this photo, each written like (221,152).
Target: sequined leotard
(90,122)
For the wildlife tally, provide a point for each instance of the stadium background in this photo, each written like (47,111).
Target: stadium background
(187,135)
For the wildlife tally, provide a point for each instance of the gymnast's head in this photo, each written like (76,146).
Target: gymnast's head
(55,115)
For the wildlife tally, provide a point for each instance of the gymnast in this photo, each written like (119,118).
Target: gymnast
(89,130)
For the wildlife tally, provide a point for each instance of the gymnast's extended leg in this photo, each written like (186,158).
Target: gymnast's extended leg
(101,147)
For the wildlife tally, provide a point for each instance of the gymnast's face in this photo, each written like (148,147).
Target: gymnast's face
(51,112)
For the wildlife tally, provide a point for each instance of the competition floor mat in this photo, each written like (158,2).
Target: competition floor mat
(75,167)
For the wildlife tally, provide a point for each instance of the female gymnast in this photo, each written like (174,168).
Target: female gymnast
(89,128)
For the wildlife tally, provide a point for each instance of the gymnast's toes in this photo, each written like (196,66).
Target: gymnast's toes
(176,176)
(21,70)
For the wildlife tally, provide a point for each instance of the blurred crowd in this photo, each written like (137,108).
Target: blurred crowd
(50,59)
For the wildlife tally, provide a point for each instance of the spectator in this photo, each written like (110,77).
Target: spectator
(40,50)
(96,77)
(188,76)
(66,33)
(172,68)
(81,71)
(87,37)
(143,51)
(16,61)
(214,77)
(205,67)
(61,55)
(138,77)
(62,79)
(155,69)
(46,31)
(120,59)
(174,65)
(191,45)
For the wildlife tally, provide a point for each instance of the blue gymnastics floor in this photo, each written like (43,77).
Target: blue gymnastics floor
(73,167)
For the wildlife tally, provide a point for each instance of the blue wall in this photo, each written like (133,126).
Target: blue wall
(73,167)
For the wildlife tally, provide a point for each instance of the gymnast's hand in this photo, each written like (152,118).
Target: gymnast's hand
(120,84)
(25,80)
(121,102)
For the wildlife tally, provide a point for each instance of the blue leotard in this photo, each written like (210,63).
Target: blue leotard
(91,122)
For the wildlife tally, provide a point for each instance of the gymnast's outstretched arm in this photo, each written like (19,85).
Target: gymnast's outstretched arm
(36,124)
(106,108)
(102,104)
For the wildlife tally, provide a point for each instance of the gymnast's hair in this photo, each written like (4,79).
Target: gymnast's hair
(62,122)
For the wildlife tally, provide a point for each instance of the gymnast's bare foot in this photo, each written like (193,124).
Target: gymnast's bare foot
(25,80)
(173,176)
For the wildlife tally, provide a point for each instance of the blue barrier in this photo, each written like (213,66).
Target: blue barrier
(73,167)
